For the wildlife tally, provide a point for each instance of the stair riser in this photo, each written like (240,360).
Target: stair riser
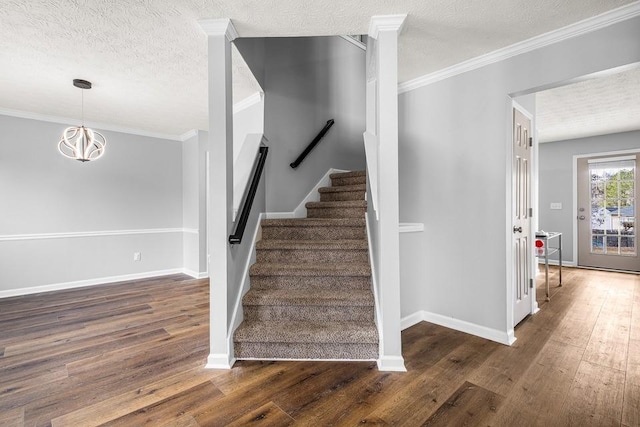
(243,350)
(341,196)
(354,180)
(308,313)
(336,212)
(303,255)
(309,233)
(297,282)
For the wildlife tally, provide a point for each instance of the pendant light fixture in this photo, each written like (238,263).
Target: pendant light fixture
(81,143)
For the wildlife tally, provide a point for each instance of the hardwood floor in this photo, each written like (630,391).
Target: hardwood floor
(132,354)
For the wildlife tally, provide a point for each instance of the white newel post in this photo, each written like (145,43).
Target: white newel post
(220,34)
(385,30)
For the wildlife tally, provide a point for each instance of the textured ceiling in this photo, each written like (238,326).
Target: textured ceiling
(147,59)
(593,107)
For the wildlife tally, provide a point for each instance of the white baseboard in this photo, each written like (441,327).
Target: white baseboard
(238,315)
(88,282)
(391,363)
(313,196)
(195,274)
(555,262)
(502,337)
(219,361)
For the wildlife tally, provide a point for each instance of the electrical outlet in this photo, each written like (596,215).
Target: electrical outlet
(137,256)
(555,206)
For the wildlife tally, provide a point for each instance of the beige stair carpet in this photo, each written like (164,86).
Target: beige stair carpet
(310,295)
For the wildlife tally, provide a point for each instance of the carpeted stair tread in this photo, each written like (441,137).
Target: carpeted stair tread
(313,245)
(343,188)
(311,269)
(307,332)
(309,297)
(338,204)
(314,222)
(351,174)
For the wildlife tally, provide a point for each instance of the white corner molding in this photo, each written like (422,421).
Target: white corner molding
(219,361)
(579,28)
(410,227)
(188,135)
(314,196)
(219,27)
(391,364)
(195,274)
(385,23)
(248,102)
(354,42)
(502,337)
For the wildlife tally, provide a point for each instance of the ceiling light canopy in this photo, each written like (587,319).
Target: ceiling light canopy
(81,143)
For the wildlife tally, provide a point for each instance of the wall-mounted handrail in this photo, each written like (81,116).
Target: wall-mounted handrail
(312,144)
(241,223)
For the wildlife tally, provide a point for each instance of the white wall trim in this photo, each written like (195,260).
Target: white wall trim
(374,286)
(391,364)
(386,23)
(219,361)
(410,227)
(188,135)
(354,42)
(219,27)
(88,282)
(238,314)
(102,126)
(579,28)
(313,196)
(502,337)
(72,234)
(248,102)
(195,274)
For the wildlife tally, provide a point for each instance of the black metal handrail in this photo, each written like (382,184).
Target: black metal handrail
(312,144)
(241,222)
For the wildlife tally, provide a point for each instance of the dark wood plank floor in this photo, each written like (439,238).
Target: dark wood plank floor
(132,354)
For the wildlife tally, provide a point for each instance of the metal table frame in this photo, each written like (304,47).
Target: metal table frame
(550,251)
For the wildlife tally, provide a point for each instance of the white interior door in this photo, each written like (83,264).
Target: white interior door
(607,212)
(522,246)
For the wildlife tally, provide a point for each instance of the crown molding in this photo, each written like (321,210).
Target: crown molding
(248,102)
(385,23)
(188,135)
(595,23)
(96,125)
(219,27)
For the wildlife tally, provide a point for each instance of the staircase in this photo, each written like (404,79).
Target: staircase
(310,295)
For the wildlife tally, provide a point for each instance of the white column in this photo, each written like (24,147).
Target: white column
(220,34)
(385,30)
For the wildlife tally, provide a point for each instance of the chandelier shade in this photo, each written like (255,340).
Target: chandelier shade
(81,143)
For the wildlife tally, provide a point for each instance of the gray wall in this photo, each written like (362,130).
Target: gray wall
(454,139)
(556,179)
(308,81)
(136,185)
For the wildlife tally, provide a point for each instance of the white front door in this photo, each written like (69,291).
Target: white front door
(522,246)
(607,212)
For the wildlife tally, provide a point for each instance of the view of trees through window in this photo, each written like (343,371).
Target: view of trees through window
(613,200)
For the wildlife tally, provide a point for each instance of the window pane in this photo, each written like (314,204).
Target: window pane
(597,246)
(613,244)
(627,246)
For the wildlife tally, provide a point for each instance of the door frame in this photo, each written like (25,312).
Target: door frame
(574,262)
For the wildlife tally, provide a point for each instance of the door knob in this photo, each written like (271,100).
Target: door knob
(517,229)
(581,217)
